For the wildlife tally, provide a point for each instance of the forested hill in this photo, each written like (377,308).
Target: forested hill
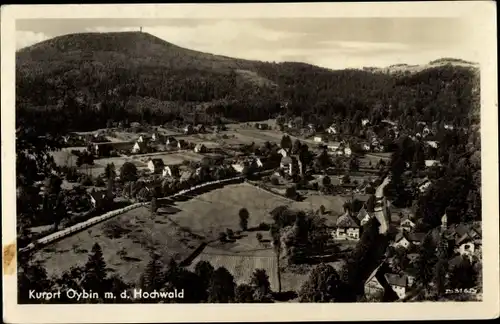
(83,81)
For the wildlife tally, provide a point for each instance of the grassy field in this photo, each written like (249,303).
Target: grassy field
(128,253)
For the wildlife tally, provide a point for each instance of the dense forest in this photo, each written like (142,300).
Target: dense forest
(81,81)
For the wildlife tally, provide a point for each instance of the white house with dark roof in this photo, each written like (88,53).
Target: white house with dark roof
(283,152)
(364,216)
(332,129)
(139,147)
(347,228)
(433,144)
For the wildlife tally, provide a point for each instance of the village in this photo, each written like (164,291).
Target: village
(339,177)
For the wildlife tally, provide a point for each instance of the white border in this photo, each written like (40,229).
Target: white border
(483,15)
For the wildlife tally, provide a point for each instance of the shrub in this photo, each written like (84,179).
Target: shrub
(230,233)
(258,236)
(275,181)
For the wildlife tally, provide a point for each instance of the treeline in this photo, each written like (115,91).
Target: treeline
(116,83)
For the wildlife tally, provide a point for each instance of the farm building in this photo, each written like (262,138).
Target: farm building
(348,228)
(170,171)
(200,148)
(156,165)
(333,147)
(139,147)
(318,139)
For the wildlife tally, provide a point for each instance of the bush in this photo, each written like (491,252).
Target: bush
(258,236)
(275,181)
(99,182)
(291,192)
(230,233)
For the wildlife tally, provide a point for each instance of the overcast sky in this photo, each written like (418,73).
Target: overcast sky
(328,42)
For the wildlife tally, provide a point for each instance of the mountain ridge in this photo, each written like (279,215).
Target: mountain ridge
(139,76)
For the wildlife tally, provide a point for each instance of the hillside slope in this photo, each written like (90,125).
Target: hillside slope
(83,80)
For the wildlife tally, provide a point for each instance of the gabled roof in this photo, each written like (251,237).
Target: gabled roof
(362,214)
(374,272)
(347,221)
(396,280)
(400,236)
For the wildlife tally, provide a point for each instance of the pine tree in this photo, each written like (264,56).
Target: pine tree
(153,276)
(95,270)
(261,285)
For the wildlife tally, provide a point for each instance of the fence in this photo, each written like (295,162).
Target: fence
(88,223)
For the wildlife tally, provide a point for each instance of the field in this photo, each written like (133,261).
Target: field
(177,231)
(64,157)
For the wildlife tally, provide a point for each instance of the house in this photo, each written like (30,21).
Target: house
(188,129)
(156,165)
(290,165)
(348,228)
(430,163)
(171,171)
(398,283)
(332,129)
(365,122)
(469,242)
(375,285)
(433,144)
(448,126)
(366,147)
(181,144)
(99,198)
(171,141)
(347,151)
(364,216)
(426,131)
(318,139)
(424,185)
(139,147)
(401,240)
(406,224)
(311,127)
(412,257)
(200,148)
(283,152)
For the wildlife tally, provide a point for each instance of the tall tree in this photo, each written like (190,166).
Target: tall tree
(222,287)
(321,286)
(261,285)
(244,216)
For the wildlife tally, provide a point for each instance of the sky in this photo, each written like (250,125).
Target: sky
(328,42)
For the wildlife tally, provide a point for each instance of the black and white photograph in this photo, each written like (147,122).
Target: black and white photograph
(209,158)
